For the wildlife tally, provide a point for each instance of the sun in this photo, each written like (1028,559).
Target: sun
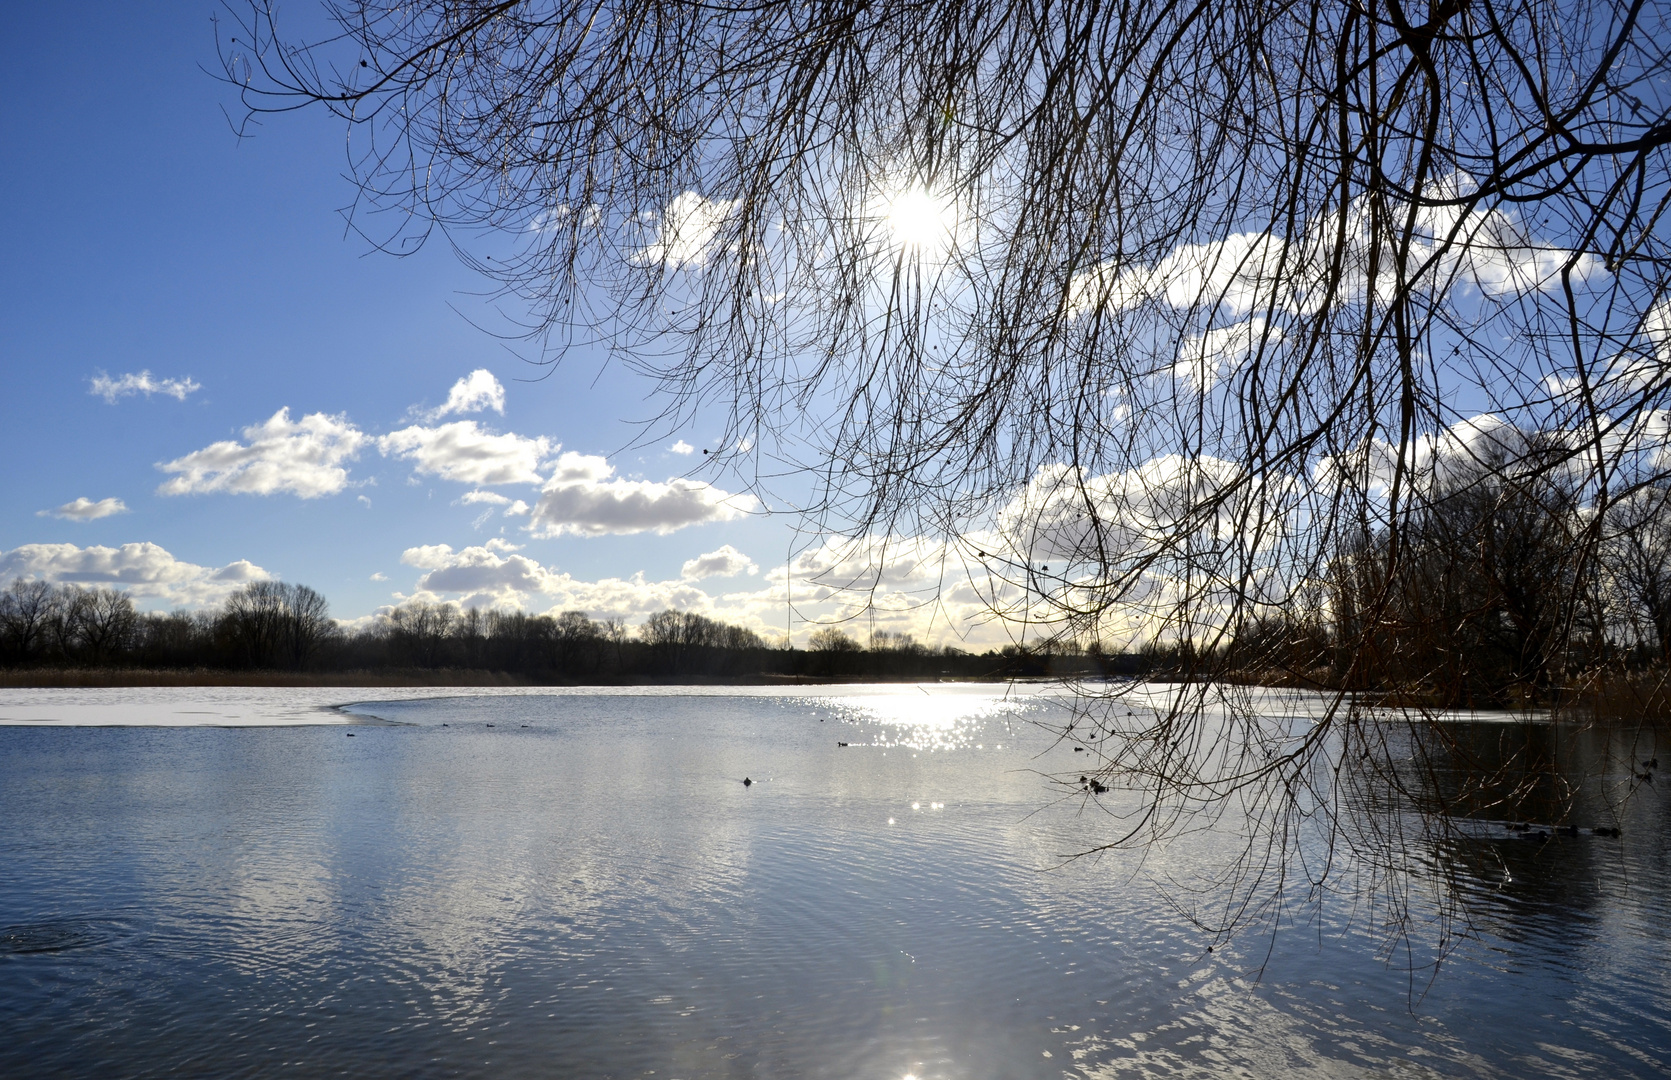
(919,220)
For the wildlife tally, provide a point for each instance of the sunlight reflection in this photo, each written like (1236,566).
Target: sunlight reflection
(918,720)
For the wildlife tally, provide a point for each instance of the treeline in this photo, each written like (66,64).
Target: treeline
(1503,588)
(274,626)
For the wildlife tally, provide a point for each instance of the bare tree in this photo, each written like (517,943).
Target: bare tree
(25,617)
(1148,314)
(832,639)
(420,630)
(274,624)
(66,621)
(1639,562)
(109,625)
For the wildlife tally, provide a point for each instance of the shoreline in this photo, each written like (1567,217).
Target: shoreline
(187,706)
(97,678)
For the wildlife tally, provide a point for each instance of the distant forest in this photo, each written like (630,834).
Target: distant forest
(1488,600)
(271,626)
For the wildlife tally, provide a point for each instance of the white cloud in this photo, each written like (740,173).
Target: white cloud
(1206,358)
(513,507)
(379,576)
(476,391)
(682,447)
(1619,384)
(485,575)
(559,216)
(1491,250)
(427,556)
(85,509)
(141,383)
(1167,505)
(363,500)
(304,458)
(1239,271)
(686,232)
(726,562)
(912,585)
(584,497)
(145,570)
(1656,328)
(493,576)
(464,453)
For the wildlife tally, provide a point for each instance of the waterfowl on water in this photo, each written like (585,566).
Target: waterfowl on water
(747,782)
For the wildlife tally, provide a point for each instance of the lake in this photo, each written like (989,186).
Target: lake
(580,884)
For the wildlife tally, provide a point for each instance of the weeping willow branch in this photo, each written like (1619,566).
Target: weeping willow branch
(1166,322)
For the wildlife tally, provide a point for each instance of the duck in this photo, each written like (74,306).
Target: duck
(747,782)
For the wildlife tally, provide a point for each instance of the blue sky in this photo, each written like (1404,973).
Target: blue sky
(140,236)
(210,380)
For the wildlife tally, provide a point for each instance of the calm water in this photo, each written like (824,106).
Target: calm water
(586,888)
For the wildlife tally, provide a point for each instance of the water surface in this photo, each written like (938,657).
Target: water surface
(581,885)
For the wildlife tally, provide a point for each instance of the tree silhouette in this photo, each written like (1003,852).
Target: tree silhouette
(1147,313)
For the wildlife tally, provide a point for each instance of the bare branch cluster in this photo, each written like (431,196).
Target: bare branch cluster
(1177,320)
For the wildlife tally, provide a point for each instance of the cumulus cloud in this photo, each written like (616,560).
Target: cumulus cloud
(486,575)
(1488,443)
(1206,358)
(1656,328)
(682,447)
(303,458)
(465,453)
(726,562)
(1618,383)
(476,391)
(1168,504)
(975,590)
(146,571)
(493,575)
(563,216)
(1491,250)
(140,383)
(687,231)
(491,498)
(584,497)
(909,585)
(85,509)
